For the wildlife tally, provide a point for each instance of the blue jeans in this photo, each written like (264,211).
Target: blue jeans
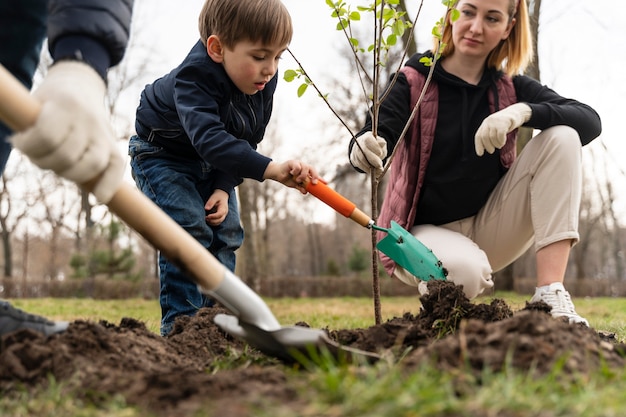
(181,187)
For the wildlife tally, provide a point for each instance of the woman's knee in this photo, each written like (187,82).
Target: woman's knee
(560,139)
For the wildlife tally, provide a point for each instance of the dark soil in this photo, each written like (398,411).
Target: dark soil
(177,375)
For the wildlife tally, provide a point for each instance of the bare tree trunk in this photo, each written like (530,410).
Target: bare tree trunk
(26,247)
(6,249)
(9,220)
(314,249)
(407,36)
(249,269)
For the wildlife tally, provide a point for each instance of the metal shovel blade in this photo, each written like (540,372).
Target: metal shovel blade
(292,344)
(410,253)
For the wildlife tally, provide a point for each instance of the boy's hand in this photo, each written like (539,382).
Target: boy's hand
(216,208)
(292,173)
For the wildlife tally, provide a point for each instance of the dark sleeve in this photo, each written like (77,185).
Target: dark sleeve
(198,107)
(22,32)
(550,109)
(96,32)
(392,117)
(225,181)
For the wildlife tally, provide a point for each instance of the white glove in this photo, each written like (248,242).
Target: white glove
(72,135)
(466,263)
(492,132)
(368,152)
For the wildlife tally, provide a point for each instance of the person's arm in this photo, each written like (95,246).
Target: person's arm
(95,32)
(550,109)
(225,182)
(72,135)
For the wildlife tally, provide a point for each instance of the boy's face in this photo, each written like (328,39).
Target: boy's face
(250,65)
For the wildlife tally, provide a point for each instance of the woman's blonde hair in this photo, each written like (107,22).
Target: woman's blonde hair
(514,53)
(267,21)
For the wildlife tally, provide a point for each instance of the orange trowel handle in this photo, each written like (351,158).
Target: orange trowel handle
(338,202)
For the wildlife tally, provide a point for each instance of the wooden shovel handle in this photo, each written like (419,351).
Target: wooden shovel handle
(338,202)
(19,110)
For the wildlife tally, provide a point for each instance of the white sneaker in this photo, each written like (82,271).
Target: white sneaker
(559,299)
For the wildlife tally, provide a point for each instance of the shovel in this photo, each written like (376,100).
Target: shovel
(399,245)
(255,323)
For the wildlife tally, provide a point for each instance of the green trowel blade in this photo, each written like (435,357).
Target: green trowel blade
(410,253)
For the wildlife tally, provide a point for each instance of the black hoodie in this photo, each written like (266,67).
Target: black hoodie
(458,182)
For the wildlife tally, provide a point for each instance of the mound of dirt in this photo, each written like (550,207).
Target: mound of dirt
(176,375)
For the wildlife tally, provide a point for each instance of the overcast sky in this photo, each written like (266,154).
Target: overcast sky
(581,51)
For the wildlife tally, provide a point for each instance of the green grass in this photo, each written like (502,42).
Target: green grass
(607,314)
(70,309)
(381,390)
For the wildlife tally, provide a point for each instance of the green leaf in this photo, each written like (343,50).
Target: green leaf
(290,75)
(392,40)
(302,89)
(398,28)
(455,14)
(355,16)
(343,23)
(426,61)
(388,14)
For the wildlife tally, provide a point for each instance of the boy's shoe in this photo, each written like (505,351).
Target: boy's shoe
(13,319)
(559,299)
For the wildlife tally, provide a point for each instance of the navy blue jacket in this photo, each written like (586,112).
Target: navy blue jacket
(197,112)
(98,28)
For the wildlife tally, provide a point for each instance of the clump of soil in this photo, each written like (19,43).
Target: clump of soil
(176,375)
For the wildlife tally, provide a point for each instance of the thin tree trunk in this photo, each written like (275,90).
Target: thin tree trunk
(249,260)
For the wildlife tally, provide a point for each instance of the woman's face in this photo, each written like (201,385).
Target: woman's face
(481,26)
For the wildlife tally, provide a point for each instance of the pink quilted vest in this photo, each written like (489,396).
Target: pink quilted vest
(413,153)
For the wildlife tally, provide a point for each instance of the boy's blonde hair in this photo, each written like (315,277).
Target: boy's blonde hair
(513,54)
(267,21)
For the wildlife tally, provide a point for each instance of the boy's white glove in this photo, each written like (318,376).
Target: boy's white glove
(368,152)
(492,132)
(72,135)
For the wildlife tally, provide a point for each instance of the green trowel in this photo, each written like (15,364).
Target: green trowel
(399,245)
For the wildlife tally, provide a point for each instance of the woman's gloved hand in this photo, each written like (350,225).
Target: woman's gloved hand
(368,152)
(493,130)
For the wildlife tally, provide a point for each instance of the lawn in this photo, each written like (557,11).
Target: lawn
(608,314)
(368,392)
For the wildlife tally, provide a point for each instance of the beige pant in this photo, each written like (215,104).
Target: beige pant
(537,200)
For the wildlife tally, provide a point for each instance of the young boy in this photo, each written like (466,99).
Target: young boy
(197,132)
